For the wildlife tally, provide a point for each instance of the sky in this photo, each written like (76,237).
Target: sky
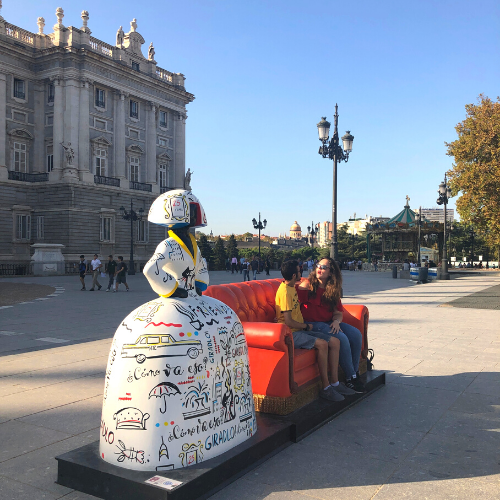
(264,72)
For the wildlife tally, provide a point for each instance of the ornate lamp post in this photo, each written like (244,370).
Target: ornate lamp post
(444,195)
(259,225)
(311,232)
(131,216)
(334,151)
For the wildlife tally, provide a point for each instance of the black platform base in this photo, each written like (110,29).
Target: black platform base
(83,470)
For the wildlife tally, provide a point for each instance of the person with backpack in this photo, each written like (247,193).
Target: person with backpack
(121,274)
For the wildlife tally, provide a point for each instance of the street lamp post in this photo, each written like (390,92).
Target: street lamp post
(354,238)
(419,244)
(334,151)
(259,225)
(312,233)
(472,235)
(132,216)
(444,195)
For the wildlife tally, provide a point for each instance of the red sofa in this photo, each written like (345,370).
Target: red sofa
(283,378)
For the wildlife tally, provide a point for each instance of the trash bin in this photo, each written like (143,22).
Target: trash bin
(423,274)
(394,271)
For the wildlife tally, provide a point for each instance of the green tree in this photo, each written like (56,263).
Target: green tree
(206,250)
(232,247)
(475,175)
(219,255)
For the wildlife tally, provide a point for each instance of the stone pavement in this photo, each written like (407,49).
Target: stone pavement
(432,432)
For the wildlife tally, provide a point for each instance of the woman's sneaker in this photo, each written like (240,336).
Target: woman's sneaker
(356,385)
(330,394)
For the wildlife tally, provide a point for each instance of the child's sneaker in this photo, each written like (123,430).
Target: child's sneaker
(342,389)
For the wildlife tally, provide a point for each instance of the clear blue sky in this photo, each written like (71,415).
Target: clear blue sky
(264,72)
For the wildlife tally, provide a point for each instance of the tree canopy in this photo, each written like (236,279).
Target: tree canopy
(476,170)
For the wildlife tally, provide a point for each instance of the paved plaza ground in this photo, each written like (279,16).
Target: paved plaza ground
(433,432)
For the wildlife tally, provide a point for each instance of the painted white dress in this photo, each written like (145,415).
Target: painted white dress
(177,388)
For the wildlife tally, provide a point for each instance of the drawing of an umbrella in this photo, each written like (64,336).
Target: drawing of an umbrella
(162,390)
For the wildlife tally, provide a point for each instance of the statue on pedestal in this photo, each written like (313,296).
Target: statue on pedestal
(69,153)
(187,179)
(177,386)
(120,35)
(151,52)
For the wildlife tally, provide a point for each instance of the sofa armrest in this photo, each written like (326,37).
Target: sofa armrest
(263,335)
(358,316)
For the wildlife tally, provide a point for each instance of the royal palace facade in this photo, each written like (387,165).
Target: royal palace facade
(85,128)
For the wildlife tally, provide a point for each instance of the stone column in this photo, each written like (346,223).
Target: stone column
(3,125)
(84,171)
(40,157)
(151,146)
(58,128)
(71,125)
(119,139)
(180,150)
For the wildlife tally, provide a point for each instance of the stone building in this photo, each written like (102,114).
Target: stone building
(295,231)
(86,127)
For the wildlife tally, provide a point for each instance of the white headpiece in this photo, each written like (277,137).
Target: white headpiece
(172,209)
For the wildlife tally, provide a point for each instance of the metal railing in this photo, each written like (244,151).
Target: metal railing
(141,186)
(16,269)
(27,177)
(107,181)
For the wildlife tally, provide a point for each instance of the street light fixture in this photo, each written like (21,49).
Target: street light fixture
(311,232)
(259,225)
(334,151)
(444,195)
(132,216)
(354,238)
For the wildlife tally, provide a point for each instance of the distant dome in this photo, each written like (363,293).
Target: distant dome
(295,227)
(295,231)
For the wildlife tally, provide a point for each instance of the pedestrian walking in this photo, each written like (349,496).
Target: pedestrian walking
(121,274)
(242,260)
(111,272)
(246,272)
(96,269)
(234,260)
(82,268)
(268,266)
(254,264)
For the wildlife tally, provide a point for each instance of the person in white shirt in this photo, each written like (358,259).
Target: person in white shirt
(96,266)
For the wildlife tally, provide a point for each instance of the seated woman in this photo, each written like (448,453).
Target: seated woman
(320,305)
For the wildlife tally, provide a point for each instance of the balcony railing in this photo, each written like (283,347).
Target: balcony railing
(26,177)
(140,186)
(107,181)
(101,47)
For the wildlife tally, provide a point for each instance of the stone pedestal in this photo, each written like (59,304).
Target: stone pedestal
(48,259)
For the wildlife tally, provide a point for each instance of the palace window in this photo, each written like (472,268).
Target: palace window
(50,158)
(163,119)
(24,227)
(20,157)
(142,231)
(51,93)
(134,168)
(100,161)
(40,229)
(19,88)
(106,224)
(136,66)
(100,98)
(134,109)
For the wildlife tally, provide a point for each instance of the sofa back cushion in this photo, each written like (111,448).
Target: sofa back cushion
(250,300)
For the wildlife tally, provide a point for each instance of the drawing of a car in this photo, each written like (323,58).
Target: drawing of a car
(161,346)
